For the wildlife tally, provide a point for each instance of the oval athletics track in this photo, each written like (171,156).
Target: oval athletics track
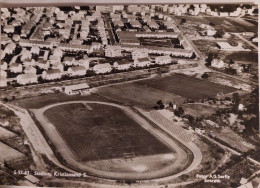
(158,175)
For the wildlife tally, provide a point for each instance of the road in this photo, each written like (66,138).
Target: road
(245,40)
(230,149)
(109,29)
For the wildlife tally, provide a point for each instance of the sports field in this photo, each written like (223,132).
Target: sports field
(175,88)
(97,132)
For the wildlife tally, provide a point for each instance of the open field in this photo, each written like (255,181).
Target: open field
(175,88)
(102,132)
(8,153)
(186,86)
(198,110)
(229,24)
(134,94)
(247,57)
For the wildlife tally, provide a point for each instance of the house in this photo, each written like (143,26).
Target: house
(43,64)
(9,29)
(3,65)
(217,63)
(102,68)
(135,23)
(77,71)
(163,60)
(113,51)
(210,32)
(226,46)
(142,62)
(35,50)
(223,14)
(119,23)
(9,48)
(26,54)
(139,54)
(30,69)
(28,62)
(54,59)
(95,45)
(16,37)
(28,78)
(52,74)
(152,24)
(122,64)
(3,81)
(69,61)
(3,73)
(76,89)
(255,39)
(57,52)
(84,62)
(16,68)
(58,65)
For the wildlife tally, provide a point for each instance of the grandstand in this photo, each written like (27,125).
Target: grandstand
(171,126)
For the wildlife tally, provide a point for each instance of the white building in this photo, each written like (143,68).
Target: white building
(30,69)
(162,60)
(139,54)
(122,64)
(69,61)
(102,68)
(113,51)
(28,78)
(9,29)
(3,65)
(52,74)
(3,81)
(29,62)
(142,62)
(76,89)
(16,68)
(43,64)
(58,65)
(77,71)
(217,63)
(3,73)
(152,24)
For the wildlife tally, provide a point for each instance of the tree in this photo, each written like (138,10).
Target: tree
(183,20)
(159,102)
(211,24)
(219,33)
(205,75)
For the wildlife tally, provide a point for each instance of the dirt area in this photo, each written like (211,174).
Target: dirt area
(232,138)
(136,164)
(198,110)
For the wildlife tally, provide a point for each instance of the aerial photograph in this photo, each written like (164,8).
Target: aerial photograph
(140,96)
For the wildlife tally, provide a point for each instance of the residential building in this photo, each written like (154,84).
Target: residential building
(113,51)
(58,65)
(43,64)
(28,62)
(69,61)
(77,71)
(102,68)
(28,78)
(30,69)
(9,48)
(139,54)
(76,89)
(9,29)
(3,65)
(3,81)
(16,68)
(122,64)
(217,63)
(135,23)
(3,73)
(163,60)
(142,62)
(152,24)
(52,74)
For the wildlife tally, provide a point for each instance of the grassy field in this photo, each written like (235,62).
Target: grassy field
(249,57)
(227,23)
(198,110)
(186,86)
(105,132)
(135,94)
